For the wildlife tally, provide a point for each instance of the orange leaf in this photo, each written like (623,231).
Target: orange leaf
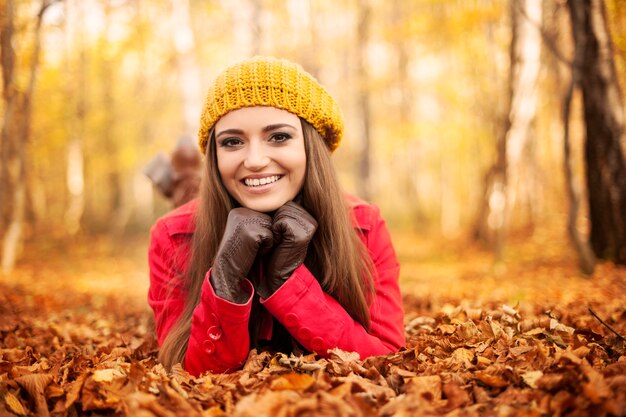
(342,390)
(491,380)
(292,381)
(106,375)
(35,384)
(427,387)
(14,404)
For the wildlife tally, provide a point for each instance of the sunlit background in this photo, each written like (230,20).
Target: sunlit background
(427,81)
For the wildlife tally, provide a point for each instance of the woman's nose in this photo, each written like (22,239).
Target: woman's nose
(257,157)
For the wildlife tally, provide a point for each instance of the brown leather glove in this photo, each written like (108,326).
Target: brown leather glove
(293,229)
(247,233)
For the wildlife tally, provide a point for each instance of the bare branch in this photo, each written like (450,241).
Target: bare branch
(593,313)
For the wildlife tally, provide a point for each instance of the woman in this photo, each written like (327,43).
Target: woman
(272,253)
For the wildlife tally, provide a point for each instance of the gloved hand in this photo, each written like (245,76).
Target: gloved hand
(293,229)
(247,233)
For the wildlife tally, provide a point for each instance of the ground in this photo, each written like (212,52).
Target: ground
(530,336)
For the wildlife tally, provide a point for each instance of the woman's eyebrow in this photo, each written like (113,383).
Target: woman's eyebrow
(230,132)
(266,129)
(276,126)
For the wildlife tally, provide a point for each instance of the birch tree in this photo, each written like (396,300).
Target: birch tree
(15,131)
(188,71)
(503,178)
(363,105)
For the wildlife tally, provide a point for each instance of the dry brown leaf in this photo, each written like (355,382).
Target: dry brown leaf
(339,355)
(491,380)
(378,390)
(107,375)
(426,387)
(74,389)
(140,403)
(556,326)
(487,362)
(407,405)
(531,378)
(582,351)
(457,397)
(520,350)
(14,404)
(342,390)
(35,384)
(321,404)
(551,382)
(256,361)
(463,355)
(482,361)
(12,355)
(446,328)
(596,388)
(292,381)
(268,404)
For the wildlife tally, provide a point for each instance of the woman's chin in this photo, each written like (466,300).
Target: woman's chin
(264,206)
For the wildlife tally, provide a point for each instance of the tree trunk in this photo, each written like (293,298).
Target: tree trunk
(143,191)
(586,256)
(188,71)
(75,174)
(16,130)
(363,104)
(247,30)
(604,129)
(9,97)
(502,180)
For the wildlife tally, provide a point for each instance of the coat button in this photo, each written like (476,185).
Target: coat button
(209,347)
(291,320)
(317,343)
(214,333)
(304,333)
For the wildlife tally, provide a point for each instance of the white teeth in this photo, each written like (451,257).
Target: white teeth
(262,181)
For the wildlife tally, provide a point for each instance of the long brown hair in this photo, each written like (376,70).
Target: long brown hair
(344,268)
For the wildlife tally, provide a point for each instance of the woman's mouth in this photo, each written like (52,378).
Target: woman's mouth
(257,182)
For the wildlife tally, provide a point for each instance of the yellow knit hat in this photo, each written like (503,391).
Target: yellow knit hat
(266,81)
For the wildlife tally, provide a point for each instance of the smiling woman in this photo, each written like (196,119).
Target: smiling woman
(272,255)
(260,156)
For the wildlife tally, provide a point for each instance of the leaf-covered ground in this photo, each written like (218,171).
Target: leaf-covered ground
(75,339)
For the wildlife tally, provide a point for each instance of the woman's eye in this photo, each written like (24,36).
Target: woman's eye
(230,142)
(280,137)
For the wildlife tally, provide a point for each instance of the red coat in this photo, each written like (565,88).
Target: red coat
(219,339)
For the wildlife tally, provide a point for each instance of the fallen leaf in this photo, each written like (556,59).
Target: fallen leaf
(292,381)
(106,375)
(555,325)
(446,328)
(14,404)
(457,396)
(268,404)
(531,378)
(463,355)
(35,384)
(427,387)
(491,380)
(596,388)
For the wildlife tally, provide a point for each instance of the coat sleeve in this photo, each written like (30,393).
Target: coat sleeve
(219,339)
(320,323)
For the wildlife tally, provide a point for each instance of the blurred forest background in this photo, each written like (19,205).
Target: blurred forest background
(490,132)
(463,116)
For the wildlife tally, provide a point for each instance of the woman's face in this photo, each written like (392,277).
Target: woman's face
(260,156)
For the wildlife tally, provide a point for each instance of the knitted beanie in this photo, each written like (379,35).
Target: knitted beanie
(266,81)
